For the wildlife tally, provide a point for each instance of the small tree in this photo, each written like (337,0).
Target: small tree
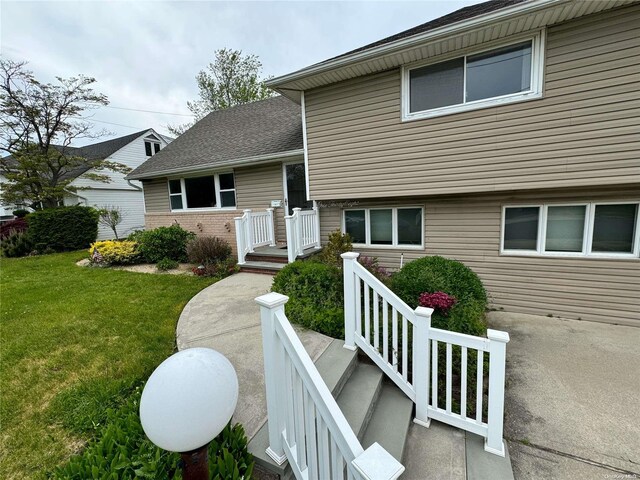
(232,79)
(111,217)
(38,123)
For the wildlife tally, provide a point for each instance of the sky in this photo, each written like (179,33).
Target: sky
(145,54)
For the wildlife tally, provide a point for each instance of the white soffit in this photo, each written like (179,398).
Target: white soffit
(503,23)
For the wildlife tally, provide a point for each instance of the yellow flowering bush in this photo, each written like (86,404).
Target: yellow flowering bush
(114,252)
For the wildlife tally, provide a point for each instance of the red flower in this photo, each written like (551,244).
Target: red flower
(440,301)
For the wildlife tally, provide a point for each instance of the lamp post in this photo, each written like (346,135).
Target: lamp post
(186,403)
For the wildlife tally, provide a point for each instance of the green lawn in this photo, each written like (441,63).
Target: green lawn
(73,342)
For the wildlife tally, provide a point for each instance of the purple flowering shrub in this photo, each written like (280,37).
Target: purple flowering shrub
(372,264)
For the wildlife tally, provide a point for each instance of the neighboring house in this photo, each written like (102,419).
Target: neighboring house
(504,135)
(130,150)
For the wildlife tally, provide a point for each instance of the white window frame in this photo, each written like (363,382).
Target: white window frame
(535,92)
(153,148)
(183,193)
(587,240)
(219,190)
(394,227)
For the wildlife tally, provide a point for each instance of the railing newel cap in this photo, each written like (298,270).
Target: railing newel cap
(376,463)
(350,255)
(271,300)
(497,335)
(424,311)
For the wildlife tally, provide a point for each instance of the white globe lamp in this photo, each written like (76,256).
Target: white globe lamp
(187,402)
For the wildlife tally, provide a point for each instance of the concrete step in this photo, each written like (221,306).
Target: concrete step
(390,421)
(335,365)
(263,257)
(358,397)
(269,268)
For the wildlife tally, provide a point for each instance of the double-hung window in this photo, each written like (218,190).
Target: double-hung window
(502,74)
(385,227)
(579,229)
(202,193)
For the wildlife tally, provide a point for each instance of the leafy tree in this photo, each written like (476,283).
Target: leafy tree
(38,123)
(232,79)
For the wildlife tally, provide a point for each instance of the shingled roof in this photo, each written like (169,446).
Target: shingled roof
(95,151)
(253,130)
(458,16)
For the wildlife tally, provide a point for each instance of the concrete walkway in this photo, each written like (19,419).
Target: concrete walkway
(572,398)
(225,317)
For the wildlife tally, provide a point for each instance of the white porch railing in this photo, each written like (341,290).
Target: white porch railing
(303,231)
(254,229)
(382,325)
(306,426)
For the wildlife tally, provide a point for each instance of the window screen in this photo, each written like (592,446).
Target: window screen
(438,85)
(614,228)
(565,228)
(409,226)
(499,72)
(521,228)
(355,225)
(381,227)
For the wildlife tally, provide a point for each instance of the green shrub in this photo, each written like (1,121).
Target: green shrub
(121,450)
(438,274)
(16,244)
(315,296)
(63,228)
(206,250)
(338,244)
(166,264)
(219,269)
(163,242)
(20,213)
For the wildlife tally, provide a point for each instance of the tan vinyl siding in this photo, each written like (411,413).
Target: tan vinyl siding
(467,228)
(584,132)
(156,195)
(256,187)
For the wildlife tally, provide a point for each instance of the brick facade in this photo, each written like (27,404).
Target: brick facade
(217,224)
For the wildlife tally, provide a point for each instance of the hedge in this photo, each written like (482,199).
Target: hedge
(63,228)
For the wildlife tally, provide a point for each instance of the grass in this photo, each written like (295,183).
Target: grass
(75,341)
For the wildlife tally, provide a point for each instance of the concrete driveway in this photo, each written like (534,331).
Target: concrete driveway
(573,398)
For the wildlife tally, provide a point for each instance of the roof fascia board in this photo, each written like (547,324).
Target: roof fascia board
(218,165)
(413,40)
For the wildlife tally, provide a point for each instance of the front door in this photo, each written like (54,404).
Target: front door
(295,187)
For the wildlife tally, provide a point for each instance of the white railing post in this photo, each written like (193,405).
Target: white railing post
(349,259)
(288,222)
(317,224)
(274,368)
(375,463)
(249,230)
(497,362)
(297,231)
(421,363)
(240,244)
(272,228)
